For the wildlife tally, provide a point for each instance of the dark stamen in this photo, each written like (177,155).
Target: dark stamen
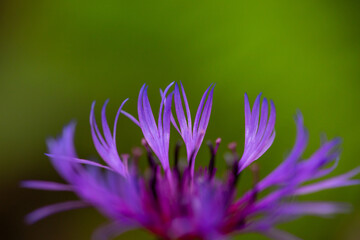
(191,159)
(235,174)
(233,179)
(176,158)
(149,154)
(153,182)
(212,160)
(154,169)
(188,174)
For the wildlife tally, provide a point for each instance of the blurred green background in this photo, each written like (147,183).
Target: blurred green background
(56,57)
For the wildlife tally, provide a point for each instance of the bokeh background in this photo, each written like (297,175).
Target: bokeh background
(56,57)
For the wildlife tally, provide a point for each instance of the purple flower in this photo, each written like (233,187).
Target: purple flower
(173,202)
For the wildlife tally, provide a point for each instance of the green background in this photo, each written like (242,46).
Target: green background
(56,57)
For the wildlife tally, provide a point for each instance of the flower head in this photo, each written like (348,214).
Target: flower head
(183,203)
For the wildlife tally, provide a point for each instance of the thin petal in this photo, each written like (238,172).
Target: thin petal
(105,125)
(52,209)
(263,119)
(166,130)
(335,182)
(205,117)
(247,115)
(46,185)
(180,112)
(188,114)
(163,99)
(77,160)
(255,117)
(199,110)
(313,208)
(116,119)
(131,117)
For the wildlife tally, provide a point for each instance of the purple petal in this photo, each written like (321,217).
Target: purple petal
(255,117)
(335,182)
(52,209)
(116,119)
(148,114)
(180,112)
(105,125)
(99,143)
(263,119)
(287,168)
(247,115)
(199,110)
(77,160)
(313,208)
(175,124)
(65,145)
(131,117)
(205,117)
(166,130)
(163,99)
(95,132)
(46,185)
(188,114)
(149,131)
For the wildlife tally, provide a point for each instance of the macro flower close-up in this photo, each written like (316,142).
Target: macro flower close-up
(179,120)
(173,198)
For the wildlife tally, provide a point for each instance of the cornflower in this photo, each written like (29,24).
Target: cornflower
(174,202)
